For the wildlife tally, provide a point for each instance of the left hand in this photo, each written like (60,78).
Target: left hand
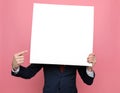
(91,59)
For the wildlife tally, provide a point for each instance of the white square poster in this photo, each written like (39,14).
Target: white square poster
(61,34)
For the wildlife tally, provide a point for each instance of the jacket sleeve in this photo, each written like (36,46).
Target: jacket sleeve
(86,79)
(28,72)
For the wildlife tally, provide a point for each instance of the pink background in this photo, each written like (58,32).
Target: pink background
(15,31)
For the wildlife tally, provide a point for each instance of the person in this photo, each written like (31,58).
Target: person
(57,80)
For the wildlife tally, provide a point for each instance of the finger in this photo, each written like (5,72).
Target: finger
(91,57)
(91,60)
(16,56)
(21,53)
(20,59)
(20,62)
(93,63)
(92,54)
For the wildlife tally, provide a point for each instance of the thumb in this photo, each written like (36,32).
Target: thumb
(21,53)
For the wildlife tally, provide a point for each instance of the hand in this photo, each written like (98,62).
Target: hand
(91,59)
(18,59)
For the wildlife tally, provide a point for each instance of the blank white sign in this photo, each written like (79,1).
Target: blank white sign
(61,34)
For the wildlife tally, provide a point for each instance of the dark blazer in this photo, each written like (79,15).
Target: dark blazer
(55,80)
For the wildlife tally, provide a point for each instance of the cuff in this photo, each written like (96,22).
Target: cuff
(16,71)
(90,73)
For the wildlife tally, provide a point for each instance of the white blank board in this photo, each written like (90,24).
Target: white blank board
(61,34)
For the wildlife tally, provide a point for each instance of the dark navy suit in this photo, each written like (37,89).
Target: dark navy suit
(55,80)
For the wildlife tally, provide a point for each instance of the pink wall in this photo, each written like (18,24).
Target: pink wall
(15,31)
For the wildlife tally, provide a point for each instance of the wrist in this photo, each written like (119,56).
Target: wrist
(90,69)
(15,68)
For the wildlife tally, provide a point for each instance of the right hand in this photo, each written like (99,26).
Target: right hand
(18,59)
